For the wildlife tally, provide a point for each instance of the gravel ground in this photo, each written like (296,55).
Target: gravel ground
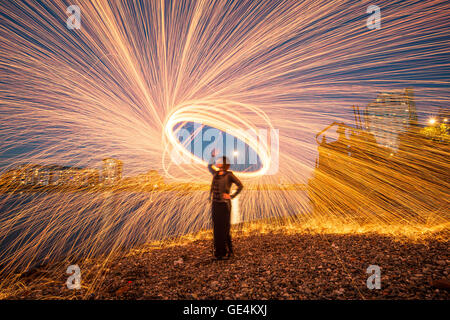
(265,266)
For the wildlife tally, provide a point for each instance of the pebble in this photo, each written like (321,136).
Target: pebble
(265,266)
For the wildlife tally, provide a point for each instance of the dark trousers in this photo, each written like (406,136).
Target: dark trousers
(221,215)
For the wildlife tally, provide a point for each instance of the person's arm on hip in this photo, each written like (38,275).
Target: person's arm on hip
(239,185)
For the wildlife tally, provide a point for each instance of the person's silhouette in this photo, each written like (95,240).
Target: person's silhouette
(221,204)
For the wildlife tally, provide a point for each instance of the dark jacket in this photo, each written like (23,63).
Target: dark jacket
(222,184)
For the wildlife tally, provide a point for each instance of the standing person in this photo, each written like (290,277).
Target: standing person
(221,204)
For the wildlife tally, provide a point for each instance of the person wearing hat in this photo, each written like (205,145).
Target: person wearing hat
(220,197)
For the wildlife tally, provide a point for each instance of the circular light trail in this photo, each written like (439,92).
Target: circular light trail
(227,117)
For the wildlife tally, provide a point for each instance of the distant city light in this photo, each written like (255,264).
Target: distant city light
(432,121)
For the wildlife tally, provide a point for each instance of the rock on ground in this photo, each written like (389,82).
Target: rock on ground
(265,266)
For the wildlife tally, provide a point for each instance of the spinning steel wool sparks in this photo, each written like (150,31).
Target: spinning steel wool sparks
(121,85)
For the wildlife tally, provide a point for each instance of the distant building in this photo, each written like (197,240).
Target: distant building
(82,177)
(25,175)
(152,177)
(390,115)
(50,175)
(112,171)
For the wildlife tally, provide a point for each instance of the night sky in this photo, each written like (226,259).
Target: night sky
(418,58)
